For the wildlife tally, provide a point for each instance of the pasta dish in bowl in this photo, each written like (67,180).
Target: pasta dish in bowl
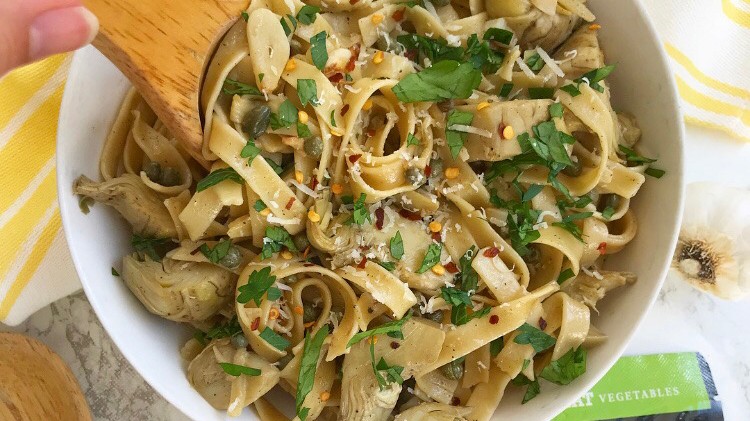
(404,208)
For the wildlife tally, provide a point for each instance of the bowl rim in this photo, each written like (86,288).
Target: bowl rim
(679,150)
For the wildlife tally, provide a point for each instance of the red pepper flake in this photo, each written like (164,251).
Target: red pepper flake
(428,171)
(370,132)
(395,345)
(398,15)
(255,324)
(362,263)
(436,237)
(352,63)
(379,217)
(336,77)
(456,401)
(412,216)
(602,248)
(500,128)
(451,267)
(491,252)
(344,109)
(494,319)
(306,252)
(314,183)
(542,323)
(354,158)
(290,202)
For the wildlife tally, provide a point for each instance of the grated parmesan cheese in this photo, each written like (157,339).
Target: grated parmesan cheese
(550,62)
(525,68)
(471,129)
(282,221)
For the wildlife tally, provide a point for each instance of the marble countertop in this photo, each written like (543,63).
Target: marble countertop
(682,319)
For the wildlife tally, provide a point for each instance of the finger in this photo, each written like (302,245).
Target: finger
(61,30)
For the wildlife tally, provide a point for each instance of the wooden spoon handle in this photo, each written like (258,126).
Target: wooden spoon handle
(163,47)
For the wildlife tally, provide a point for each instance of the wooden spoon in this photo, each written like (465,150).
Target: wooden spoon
(35,384)
(163,47)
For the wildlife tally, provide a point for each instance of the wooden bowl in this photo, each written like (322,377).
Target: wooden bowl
(35,384)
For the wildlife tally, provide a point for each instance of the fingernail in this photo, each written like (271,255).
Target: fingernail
(61,30)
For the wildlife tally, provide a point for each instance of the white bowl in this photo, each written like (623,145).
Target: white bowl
(641,84)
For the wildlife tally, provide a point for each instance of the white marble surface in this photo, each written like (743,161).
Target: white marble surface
(682,319)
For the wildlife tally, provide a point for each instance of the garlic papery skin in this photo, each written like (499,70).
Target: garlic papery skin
(713,251)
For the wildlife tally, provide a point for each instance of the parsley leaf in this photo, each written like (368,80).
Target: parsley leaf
(307,14)
(567,368)
(250,150)
(569,225)
(455,296)
(333,118)
(632,156)
(556,110)
(233,87)
(307,91)
(529,335)
(431,257)
(259,205)
(608,212)
(531,193)
(496,346)
(535,62)
(285,116)
(565,275)
(505,90)
(361,214)
(531,392)
(218,252)
(238,370)
(274,339)
(245,16)
(591,78)
(308,366)
(412,140)
(389,266)
(115,272)
(392,372)
(389,328)
(287,29)
(455,139)
(275,239)
(256,287)
(273,294)
(444,80)
(226,330)
(216,177)
(541,93)
(397,246)
(655,172)
(318,50)
(503,36)
(303,131)
(469,277)
(150,246)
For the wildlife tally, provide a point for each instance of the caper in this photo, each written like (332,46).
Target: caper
(256,121)
(415,176)
(454,370)
(609,200)
(239,340)
(310,313)
(573,170)
(383,44)
(232,259)
(314,147)
(153,171)
(435,316)
(169,177)
(440,3)
(436,166)
(301,241)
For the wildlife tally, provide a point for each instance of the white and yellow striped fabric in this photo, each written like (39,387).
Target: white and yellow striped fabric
(35,266)
(708,42)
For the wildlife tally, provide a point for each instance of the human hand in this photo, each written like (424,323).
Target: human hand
(33,29)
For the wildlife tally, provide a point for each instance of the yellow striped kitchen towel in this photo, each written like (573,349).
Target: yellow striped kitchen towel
(35,265)
(708,43)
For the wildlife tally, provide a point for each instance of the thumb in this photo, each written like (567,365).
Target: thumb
(33,29)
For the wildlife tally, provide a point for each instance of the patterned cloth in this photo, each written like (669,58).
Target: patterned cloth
(708,43)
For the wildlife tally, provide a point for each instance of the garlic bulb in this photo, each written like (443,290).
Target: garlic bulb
(713,251)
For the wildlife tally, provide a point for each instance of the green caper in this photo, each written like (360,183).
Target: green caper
(573,170)
(440,3)
(301,241)
(256,121)
(415,176)
(310,313)
(169,177)
(454,370)
(239,340)
(436,167)
(435,316)
(609,200)
(153,171)
(314,147)
(232,259)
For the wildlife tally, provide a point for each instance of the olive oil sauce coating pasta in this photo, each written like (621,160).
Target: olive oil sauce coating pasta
(407,210)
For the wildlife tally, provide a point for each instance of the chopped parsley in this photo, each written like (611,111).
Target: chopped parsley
(285,116)
(216,177)
(496,346)
(288,30)
(591,78)
(568,223)
(608,212)
(274,339)
(226,330)
(392,372)
(307,91)
(505,90)
(152,247)
(256,287)
(412,140)
(503,36)
(245,16)
(444,80)
(361,214)
(307,368)
(238,370)
(307,14)
(455,139)
(431,257)
(529,335)
(556,110)
(318,50)
(469,277)
(276,238)
(115,272)
(259,205)
(218,252)
(396,245)
(389,266)
(303,132)
(233,87)
(567,368)
(565,275)
(535,62)
(392,329)
(541,93)
(250,151)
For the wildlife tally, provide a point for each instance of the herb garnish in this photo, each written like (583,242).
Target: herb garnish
(361,214)
(529,335)
(392,329)
(318,50)
(259,205)
(389,266)
(233,87)
(412,140)
(250,151)
(444,80)
(393,372)
(285,116)
(238,370)
(257,285)
(567,368)
(303,132)
(591,78)
(431,257)
(226,330)
(565,275)
(216,177)
(505,90)
(397,246)
(218,252)
(307,91)
(274,339)
(115,272)
(307,14)
(307,368)
(275,239)
(455,139)
(150,246)
(288,30)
